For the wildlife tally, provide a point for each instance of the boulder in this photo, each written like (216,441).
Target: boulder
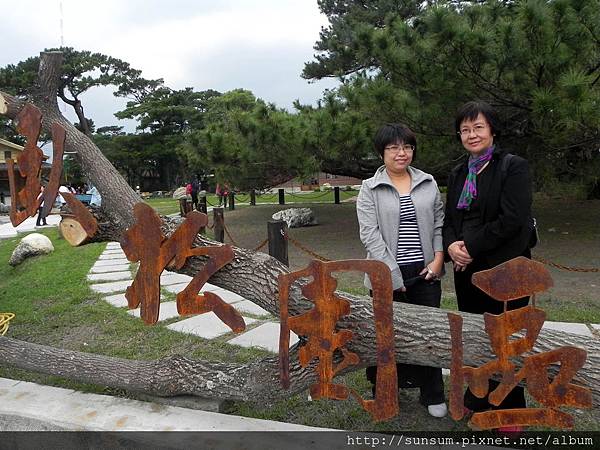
(179,193)
(296,217)
(31,245)
(4,209)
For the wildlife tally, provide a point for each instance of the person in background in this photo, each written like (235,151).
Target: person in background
(41,221)
(400,214)
(487,221)
(194,191)
(222,191)
(59,198)
(96,197)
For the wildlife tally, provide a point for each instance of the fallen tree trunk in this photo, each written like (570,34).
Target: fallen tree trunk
(422,334)
(422,337)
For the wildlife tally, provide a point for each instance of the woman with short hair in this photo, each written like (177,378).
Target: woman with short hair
(487,220)
(400,214)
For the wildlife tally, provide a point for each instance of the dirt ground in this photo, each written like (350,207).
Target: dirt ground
(569,233)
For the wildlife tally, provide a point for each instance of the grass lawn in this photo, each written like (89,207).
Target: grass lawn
(171,206)
(54,306)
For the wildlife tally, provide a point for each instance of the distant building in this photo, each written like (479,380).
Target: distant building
(319,180)
(9,150)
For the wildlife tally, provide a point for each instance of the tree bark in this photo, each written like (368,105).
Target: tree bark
(422,337)
(422,334)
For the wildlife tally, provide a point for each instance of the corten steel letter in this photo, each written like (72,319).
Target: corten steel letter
(25,186)
(319,325)
(511,280)
(80,213)
(24,200)
(59,135)
(144,242)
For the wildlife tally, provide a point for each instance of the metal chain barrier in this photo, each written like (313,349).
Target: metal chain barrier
(261,245)
(238,199)
(229,236)
(567,268)
(303,247)
(307,197)
(267,197)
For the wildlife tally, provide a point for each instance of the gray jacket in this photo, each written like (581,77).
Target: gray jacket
(378,210)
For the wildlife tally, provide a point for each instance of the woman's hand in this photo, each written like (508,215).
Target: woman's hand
(433,270)
(459,255)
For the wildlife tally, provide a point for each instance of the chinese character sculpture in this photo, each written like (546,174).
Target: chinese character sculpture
(145,243)
(514,279)
(319,325)
(25,183)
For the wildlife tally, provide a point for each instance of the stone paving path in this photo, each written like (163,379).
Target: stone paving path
(112,274)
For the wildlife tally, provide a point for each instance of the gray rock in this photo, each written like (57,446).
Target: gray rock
(180,193)
(296,217)
(33,244)
(4,209)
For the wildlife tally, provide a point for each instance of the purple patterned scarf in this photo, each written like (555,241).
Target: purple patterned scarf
(469,191)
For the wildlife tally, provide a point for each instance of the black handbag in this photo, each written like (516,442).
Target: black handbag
(534,237)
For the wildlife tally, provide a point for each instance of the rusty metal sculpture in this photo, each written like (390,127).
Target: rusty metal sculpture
(59,136)
(145,242)
(509,281)
(323,340)
(25,183)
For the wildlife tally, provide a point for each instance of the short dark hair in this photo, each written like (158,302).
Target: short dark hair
(470,111)
(392,133)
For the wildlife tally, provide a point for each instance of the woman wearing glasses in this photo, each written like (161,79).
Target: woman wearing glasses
(487,220)
(400,214)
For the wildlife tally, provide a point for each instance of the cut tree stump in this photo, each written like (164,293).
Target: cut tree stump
(72,231)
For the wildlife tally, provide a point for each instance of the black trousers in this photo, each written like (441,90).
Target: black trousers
(194,200)
(40,221)
(472,299)
(428,379)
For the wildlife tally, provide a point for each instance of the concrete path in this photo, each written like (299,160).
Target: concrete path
(34,407)
(8,231)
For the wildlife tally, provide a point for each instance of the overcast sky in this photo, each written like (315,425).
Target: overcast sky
(259,45)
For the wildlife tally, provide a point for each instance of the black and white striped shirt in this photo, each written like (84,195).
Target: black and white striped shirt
(409,243)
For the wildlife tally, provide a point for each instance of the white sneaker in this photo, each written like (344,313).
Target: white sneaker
(439,410)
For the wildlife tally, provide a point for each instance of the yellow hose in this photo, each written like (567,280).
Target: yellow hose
(5,318)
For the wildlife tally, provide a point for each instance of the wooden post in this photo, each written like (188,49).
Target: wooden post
(278,246)
(281,197)
(252,197)
(218,224)
(231,201)
(202,207)
(336,195)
